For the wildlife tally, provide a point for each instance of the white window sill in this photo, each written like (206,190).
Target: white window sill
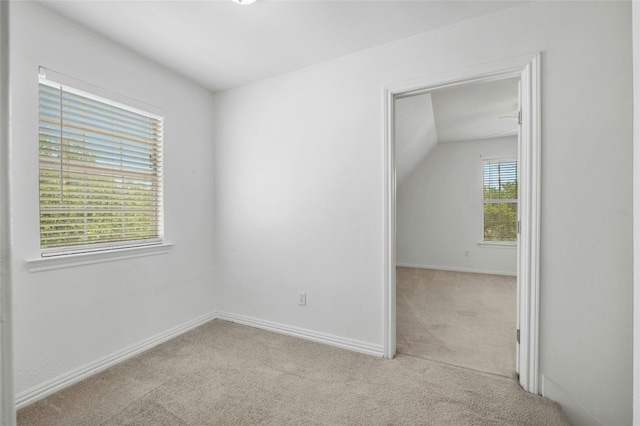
(72,260)
(498,244)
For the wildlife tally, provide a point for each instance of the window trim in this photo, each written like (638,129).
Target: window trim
(88,258)
(498,244)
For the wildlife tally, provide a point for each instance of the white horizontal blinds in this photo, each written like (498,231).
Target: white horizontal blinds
(500,197)
(100,172)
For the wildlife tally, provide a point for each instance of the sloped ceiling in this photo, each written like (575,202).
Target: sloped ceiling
(476,111)
(468,112)
(222,45)
(415,133)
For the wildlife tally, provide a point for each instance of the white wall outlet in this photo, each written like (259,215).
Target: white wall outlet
(466,252)
(302,298)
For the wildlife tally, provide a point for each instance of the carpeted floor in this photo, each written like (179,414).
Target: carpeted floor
(459,318)
(227,374)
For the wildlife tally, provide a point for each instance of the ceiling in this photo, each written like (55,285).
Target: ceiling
(476,111)
(468,112)
(221,45)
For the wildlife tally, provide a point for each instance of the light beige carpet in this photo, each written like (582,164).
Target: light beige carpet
(458,318)
(227,374)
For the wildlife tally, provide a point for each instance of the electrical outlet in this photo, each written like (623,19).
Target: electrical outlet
(466,253)
(302,298)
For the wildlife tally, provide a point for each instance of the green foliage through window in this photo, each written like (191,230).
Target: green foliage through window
(500,200)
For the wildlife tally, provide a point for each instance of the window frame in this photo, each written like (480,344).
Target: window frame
(92,251)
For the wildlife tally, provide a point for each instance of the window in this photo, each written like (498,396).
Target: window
(100,172)
(500,199)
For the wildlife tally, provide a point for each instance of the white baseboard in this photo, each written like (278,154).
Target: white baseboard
(327,339)
(56,384)
(455,269)
(74,376)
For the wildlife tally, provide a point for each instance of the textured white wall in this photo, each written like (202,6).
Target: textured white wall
(67,318)
(299,188)
(439,210)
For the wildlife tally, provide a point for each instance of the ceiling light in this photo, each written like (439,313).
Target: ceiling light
(243,2)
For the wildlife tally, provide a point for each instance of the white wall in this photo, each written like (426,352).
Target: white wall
(299,185)
(68,318)
(439,210)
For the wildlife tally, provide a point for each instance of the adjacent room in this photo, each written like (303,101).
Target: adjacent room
(195,213)
(457,179)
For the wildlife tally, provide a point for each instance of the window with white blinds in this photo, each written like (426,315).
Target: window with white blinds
(500,200)
(100,172)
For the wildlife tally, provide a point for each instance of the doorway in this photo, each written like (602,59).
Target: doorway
(526,69)
(456,154)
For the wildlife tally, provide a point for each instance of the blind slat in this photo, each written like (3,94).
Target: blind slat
(52,134)
(77,169)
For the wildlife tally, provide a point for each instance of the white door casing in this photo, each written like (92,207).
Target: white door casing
(7,399)
(527,67)
(529,217)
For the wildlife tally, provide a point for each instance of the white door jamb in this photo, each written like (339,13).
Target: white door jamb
(7,399)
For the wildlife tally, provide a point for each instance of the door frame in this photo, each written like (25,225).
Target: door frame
(7,398)
(528,68)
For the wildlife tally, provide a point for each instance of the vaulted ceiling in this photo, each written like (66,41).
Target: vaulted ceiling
(221,45)
(476,111)
(468,112)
